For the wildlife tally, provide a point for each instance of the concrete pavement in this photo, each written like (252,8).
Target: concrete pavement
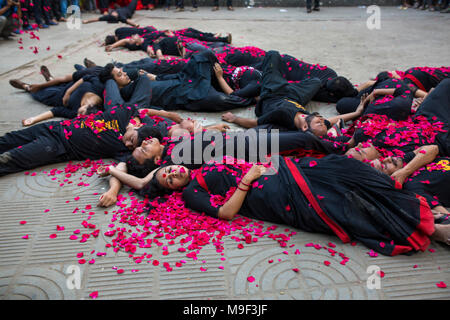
(37,258)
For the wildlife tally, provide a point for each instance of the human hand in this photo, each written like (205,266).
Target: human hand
(107,199)
(400,176)
(103,171)
(218,70)
(254,173)
(27,122)
(362,104)
(65,99)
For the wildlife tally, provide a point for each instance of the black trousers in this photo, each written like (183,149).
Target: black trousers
(218,101)
(140,96)
(229,3)
(274,85)
(42,9)
(32,147)
(180,4)
(309,3)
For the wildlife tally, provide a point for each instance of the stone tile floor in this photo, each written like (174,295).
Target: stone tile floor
(41,266)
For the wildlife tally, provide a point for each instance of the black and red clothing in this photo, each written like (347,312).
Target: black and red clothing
(425,78)
(318,195)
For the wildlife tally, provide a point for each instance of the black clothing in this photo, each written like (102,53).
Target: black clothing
(436,108)
(396,106)
(154,66)
(253,145)
(167,45)
(364,206)
(125,32)
(123,14)
(309,4)
(432,182)
(88,137)
(425,78)
(280,100)
(53,96)
(191,88)
(137,93)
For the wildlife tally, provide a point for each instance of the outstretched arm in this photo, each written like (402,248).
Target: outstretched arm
(240,121)
(91,20)
(162,113)
(123,177)
(110,197)
(351,115)
(117,44)
(40,117)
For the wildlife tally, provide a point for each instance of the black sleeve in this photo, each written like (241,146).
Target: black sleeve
(418,188)
(249,91)
(198,199)
(96,85)
(64,112)
(108,18)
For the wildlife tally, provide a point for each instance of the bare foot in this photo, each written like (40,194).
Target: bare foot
(229,117)
(442,233)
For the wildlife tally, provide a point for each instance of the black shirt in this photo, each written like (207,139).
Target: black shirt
(98,136)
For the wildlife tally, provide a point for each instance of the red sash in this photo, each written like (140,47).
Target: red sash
(416,81)
(313,201)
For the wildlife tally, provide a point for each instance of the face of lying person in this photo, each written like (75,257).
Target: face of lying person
(186,126)
(149,149)
(120,77)
(136,39)
(318,127)
(300,121)
(363,152)
(173,177)
(130,137)
(389,165)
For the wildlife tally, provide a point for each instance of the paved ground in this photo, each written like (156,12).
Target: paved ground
(37,267)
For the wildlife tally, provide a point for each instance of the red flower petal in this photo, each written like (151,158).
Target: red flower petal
(250,279)
(441,285)
(94,295)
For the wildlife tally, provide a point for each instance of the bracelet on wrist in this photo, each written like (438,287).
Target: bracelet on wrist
(243,189)
(247,185)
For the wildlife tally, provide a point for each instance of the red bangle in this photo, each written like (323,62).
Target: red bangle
(243,189)
(247,185)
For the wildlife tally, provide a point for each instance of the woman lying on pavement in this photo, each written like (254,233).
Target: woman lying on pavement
(295,193)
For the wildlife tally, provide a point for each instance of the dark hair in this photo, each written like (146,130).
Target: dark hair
(310,117)
(341,87)
(94,109)
(154,189)
(140,170)
(383,75)
(133,166)
(347,105)
(110,40)
(148,131)
(106,72)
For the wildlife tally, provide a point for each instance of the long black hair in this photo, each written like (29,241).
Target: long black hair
(133,166)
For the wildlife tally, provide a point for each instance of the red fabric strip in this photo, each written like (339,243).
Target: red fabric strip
(312,200)
(416,81)
(201,181)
